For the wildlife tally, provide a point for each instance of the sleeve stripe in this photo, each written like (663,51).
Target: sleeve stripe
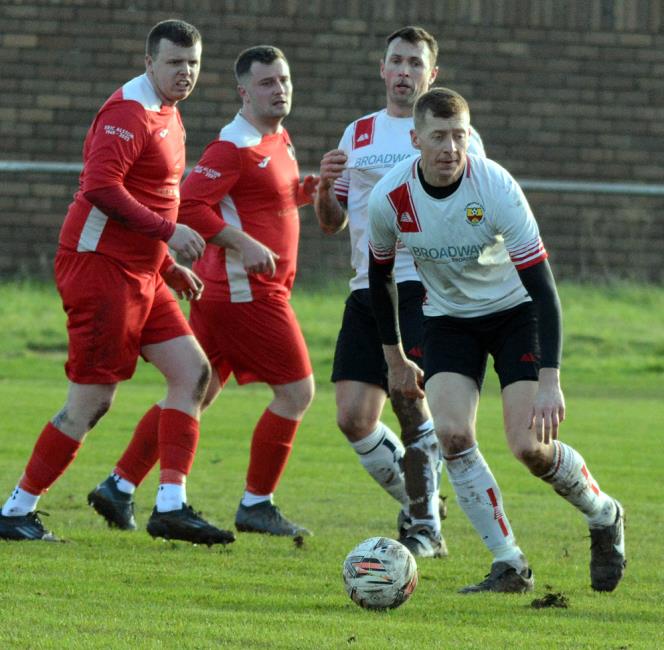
(382,255)
(517,259)
(341,186)
(527,250)
(529,254)
(532,262)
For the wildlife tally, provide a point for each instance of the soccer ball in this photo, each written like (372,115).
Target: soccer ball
(380,573)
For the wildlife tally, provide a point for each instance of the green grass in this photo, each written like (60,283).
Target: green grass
(104,589)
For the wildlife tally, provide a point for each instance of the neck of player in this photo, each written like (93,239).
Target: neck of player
(265,125)
(434,179)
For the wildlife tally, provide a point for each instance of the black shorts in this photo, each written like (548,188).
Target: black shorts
(359,352)
(462,345)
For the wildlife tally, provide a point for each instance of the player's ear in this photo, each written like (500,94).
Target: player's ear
(414,139)
(434,74)
(382,69)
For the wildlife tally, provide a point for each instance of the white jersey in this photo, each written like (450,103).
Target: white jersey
(374,144)
(468,246)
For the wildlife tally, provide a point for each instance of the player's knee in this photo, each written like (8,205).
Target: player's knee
(101,410)
(455,438)
(534,457)
(355,426)
(304,396)
(293,400)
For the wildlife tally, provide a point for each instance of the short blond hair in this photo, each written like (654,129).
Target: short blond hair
(442,102)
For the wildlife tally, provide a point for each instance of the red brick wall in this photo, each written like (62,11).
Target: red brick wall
(559,89)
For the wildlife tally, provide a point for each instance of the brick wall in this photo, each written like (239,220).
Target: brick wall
(559,89)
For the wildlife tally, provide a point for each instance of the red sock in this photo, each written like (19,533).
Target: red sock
(178,439)
(53,453)
(142,453)
(270,448)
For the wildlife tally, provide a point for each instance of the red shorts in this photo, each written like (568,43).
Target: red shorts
(256,341)
(111,314)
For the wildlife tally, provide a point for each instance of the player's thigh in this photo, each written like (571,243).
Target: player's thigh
(451,345)
(106,310)
(518,400)
(514,345)
(358,355)
(359,406)
(258,341)
(453,399)
(454,366)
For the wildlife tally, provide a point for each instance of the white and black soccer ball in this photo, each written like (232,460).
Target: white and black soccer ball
(380,573)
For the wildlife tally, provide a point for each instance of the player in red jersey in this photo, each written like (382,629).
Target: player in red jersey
(112,269)
(243,196)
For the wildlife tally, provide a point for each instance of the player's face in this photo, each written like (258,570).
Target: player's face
(267,91)
(174,71)
(408,72)
(443,143)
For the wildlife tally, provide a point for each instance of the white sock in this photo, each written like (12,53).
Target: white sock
(381,454)
(250,499)
(20,503)
(171,496)
(479,496)
(571,479)
(123,484)
(421,460)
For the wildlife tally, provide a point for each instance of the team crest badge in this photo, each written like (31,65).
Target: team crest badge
(474,214)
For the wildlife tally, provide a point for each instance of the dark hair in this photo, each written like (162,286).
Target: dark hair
(442,102)
(176,31)
(414,35)
(261,53)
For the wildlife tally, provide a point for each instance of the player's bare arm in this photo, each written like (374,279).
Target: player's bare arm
(331,214)
(256,257)
(186,284)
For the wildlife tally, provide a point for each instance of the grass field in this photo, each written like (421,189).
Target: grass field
(108,589)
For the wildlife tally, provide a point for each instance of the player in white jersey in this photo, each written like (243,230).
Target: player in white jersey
(369,148)
(489,291)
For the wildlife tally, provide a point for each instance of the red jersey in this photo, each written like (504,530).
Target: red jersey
(137,143)
(250,181)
